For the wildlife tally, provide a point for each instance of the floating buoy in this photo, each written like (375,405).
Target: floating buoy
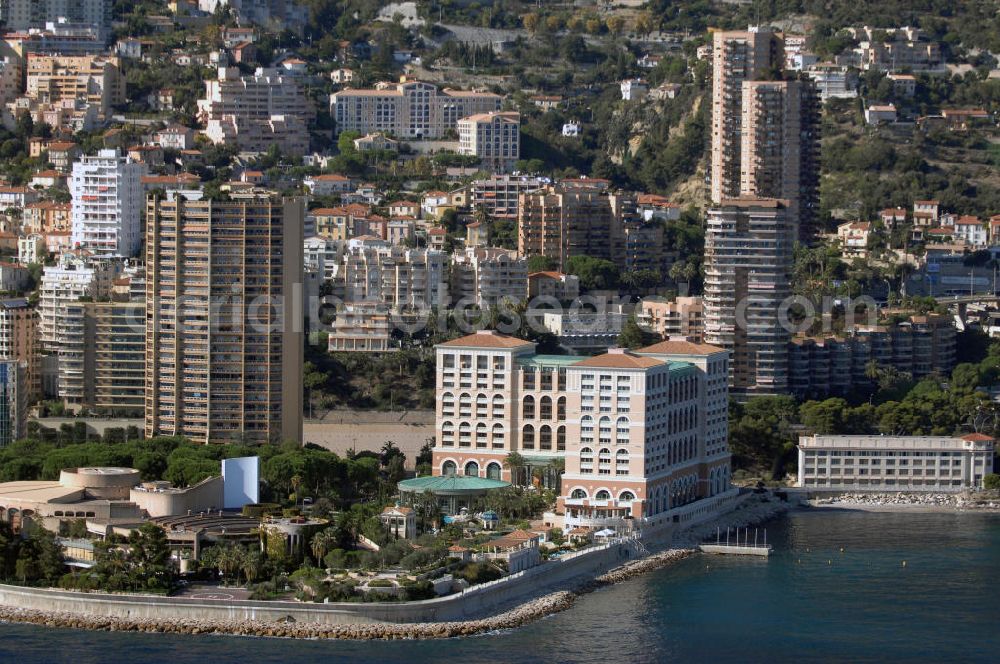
(841,549)
(799,560)
(829,562)
(904,563)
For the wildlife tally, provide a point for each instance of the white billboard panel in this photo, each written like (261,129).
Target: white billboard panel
(241,481)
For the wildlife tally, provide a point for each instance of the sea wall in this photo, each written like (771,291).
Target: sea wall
(474,603)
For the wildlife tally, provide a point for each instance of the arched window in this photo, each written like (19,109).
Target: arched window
(621,430)
(449,468)
(498,437)
(545,437)
(578,494)
(472,469)
(528,437)
(465,405)
(603,494)
(493,471)
(482,436)
(545,408)
(464,434)
(482,403)
(561,439)
(605,430)
(448,404)
(626,497)
(447,434)
(604,461)
(586,429)
(498,405)
(561,409)
(621,462)
(528,408)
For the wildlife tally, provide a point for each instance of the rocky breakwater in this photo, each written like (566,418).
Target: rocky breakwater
(957,501)
(523,614)
(637,567)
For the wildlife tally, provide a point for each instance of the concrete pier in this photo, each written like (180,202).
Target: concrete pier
(734,550)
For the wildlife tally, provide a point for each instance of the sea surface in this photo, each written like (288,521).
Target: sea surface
(837,589)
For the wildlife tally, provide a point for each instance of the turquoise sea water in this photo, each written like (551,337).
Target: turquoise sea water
(809,603)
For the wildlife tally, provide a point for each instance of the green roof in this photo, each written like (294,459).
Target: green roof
(450,483)
(549,360)
(680,367)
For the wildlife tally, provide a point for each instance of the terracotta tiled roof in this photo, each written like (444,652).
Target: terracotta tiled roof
(619,359)
(487,339)
(681,347)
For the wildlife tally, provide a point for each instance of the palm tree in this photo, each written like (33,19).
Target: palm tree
(296,483)
(321,544)
(251,564)
(230,561)
(514,462)
(556,468)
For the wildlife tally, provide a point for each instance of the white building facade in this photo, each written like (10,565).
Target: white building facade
(895,463)
(107,204)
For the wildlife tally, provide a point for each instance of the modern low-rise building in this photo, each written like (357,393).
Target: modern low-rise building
(361,327)
(894,463)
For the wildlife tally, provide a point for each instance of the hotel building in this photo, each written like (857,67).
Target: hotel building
(107,204)
(640,433)
(895,463)
(223,337)
(409,109)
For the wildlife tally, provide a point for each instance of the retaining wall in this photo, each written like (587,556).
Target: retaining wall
(476,602)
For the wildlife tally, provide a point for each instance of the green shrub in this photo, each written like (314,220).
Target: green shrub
(418,590)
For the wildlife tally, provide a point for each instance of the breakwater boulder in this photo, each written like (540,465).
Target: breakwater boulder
(521,615)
